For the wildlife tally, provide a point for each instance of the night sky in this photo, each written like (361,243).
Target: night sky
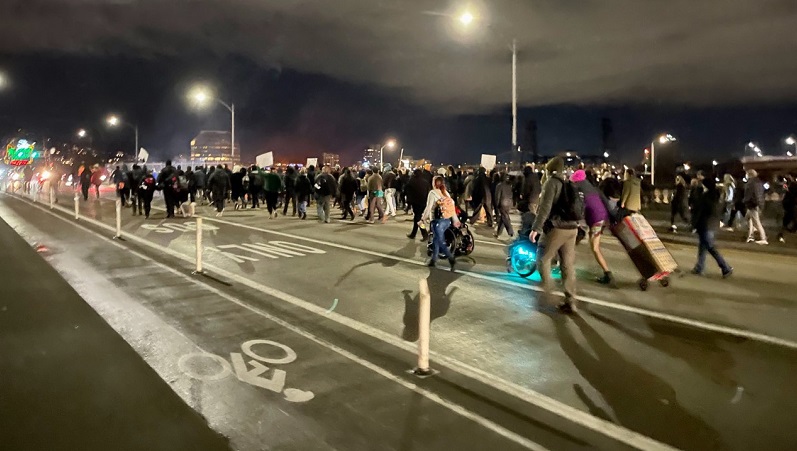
(313,76)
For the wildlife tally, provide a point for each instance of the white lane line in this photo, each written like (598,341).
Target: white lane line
(727,330)
(456,408)
(569,413)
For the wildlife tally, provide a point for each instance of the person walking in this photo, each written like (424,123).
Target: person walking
(237,188)
(441,212)
(556,226)
(596,215)
(303,190)
(219,184)
(705,220)
(531,188)
(789,204)
(120,179)
(325,187)
(348,187)
(375,195)
(389,182)
(146,191)
(503,201)
(754,201)
(200,180)
(727,202)
(272,186)
(290,191)
(136,178)
(167,181)
(417,190)
(257,180)
(679,205)
(631,199)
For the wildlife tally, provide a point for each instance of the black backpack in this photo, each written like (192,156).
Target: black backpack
(569,207)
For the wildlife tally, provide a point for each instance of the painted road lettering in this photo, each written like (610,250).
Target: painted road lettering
(171,227)
(271,250)
(190,363)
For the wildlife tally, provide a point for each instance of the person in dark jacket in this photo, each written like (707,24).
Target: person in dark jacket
(120,180)
(417,190)
(754,200)
(167,178)
(272,184)
(219,184)
(503,200)
(237,188)
(481,197)
(146,191)
(348,186)
(679,206)
(290,191)
(303,191)
(136,178)
(705,220)
(84,172)
(531,189)
(389,184)
(200,181)
(789,204)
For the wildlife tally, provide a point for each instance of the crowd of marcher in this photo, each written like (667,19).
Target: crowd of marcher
(558,206)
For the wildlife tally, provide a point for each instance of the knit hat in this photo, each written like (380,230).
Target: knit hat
(578,176)
(556,164)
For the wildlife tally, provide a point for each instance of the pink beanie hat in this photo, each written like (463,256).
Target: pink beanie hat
(578,176)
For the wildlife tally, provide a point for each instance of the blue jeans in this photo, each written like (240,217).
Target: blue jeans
(439,226)
(303,207)
(706,245)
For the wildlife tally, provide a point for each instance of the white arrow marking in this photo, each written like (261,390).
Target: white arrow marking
(275,384)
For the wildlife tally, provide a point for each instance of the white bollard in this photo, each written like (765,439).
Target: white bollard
(118,219)
(77,206)
(424,324)
(198,246)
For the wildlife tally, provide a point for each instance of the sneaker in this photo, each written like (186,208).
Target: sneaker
(674,228)
(728,229)
(276,214)
(728,273)
(697,272)
(453,262)
(607,279)
(782,240)
(430,263)
(762,242)
(750,240)
(568,306)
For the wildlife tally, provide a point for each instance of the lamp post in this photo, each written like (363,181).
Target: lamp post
(114,121)
(201,96)
(663,139)
(466,19)
(391,143)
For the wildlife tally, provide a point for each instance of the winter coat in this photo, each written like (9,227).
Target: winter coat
(503,194)
(219,182)
(417,190)
(303,188)
(631,198)
(754,196)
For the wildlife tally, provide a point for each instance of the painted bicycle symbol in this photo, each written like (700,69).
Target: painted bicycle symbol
(242,371)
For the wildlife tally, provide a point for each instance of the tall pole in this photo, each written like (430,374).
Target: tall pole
(135,153)
(232,134)
(514,95)
(653,163)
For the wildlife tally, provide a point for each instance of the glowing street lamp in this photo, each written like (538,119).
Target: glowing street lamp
(391,143)
(792,142)
(114,121)
(663,139)
(3,80)
(466,18)
(202,96)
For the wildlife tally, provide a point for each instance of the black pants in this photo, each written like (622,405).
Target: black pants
(290,196)
(84,188)
(504,221)
(271,201)
(135,201)
(171,201)
(254,194)
(417,212)
(487,213)
(678,209)
(145,197)
(345,204)
(219,199)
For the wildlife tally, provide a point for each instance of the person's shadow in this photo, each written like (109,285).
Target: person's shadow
(640,400)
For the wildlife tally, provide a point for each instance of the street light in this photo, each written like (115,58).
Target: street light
(792,142)
(605,154)
(663,139)
(201,95)
(3,81)
(391,143)
(114,121)
(466,19)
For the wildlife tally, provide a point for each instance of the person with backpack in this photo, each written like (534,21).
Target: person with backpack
(441,213)
(325,186)
(183,193)
(200,179)
(556,226)
(303,191)
(167,181)
(417,194)
(146,190)
(272,186)
(136,178)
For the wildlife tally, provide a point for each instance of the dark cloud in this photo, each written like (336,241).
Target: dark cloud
(574,51)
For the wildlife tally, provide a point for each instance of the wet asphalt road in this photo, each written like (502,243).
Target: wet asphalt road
(681,384)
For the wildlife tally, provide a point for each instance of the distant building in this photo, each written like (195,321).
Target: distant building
(371,156)
(331,159)
(213,147)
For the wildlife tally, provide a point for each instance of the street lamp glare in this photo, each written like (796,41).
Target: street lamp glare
(81,133)
(113,121)
(605,154)
(466,18)
(791,141)
(391,143)
(751,145)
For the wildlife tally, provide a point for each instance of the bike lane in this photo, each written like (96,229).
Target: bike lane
(685,374)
